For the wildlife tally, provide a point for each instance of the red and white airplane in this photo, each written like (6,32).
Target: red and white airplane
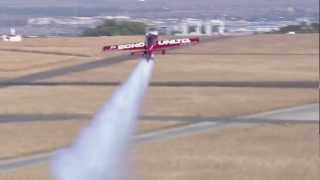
(152,45)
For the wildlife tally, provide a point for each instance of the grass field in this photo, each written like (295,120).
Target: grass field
(254,58)
(206,102)
(258,152)
(160,101)
(91,46)
(19,64)
(27,138)
(14,64)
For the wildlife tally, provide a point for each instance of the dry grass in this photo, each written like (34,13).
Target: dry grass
(22,139)
(253,58)
(283,44)
(159,101)
(117,72)
(263,152)
(212,68)
(243,66)
(14,64)
(20,64)
(86,45)
(39,172)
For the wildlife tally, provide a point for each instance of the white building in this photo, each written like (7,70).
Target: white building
(199,27)
(214,27)
(13,37)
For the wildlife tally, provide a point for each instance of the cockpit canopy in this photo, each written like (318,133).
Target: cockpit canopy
(152,38)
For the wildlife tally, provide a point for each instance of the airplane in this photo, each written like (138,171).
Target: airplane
(152,45)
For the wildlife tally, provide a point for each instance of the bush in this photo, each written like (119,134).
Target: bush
(114,28)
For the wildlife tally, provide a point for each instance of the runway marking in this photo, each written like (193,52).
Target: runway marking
(311,110)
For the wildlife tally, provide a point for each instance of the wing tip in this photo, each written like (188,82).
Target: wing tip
(195,39)
(106,48)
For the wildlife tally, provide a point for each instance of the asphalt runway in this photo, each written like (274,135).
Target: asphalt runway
(234,84)
(30,118)
(66,70)
(44,52)
(304,113)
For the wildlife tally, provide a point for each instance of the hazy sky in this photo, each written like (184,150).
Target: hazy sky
(167,3)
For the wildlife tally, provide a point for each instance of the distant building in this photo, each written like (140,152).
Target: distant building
(13,37)
(214,27)
(198,27)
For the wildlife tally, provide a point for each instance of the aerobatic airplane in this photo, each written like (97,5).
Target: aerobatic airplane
(152,45)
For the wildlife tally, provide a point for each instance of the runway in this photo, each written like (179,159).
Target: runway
(301,114)
(60,117)
(44,52)
(66,70)
(237,84)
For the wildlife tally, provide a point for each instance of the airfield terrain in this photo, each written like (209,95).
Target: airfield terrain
(195,123)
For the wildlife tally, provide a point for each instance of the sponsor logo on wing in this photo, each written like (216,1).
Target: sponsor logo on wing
(174,42)
(131,46)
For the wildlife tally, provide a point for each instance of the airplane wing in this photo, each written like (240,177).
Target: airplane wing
(125,47)
(163,44)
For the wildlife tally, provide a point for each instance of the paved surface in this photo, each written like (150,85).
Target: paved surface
(66,70)
(299,114)
(307,114)
(240,84)
(44,52)
(43,118)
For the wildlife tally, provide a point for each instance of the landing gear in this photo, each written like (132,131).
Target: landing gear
(163,52)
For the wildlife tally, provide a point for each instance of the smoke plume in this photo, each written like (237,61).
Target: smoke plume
(100,151)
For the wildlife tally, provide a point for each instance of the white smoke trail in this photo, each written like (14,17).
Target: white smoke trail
(100,151)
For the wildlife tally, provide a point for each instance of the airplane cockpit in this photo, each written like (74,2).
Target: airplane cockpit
(152,38)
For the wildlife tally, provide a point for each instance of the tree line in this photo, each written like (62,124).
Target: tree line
(114,28)
(301,28)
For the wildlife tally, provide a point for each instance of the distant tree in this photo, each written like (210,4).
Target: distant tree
(114,28)
(301,28)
